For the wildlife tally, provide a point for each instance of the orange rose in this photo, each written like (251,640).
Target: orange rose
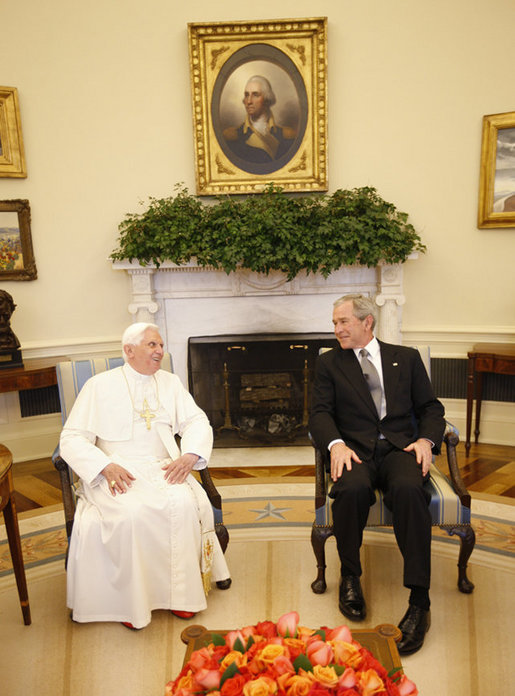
(233,656)
(297,685)
(370,683)
(233,686)
(263,686)
(186,682)
(325,676)
(267,656)
(346,654)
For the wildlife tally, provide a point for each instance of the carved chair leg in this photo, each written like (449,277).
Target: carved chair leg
(467,541)
(319,536)
(223,535)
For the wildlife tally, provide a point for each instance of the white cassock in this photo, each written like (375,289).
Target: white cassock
(142,550)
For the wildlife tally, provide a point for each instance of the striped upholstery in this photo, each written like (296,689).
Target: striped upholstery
(72,375)
(445,505)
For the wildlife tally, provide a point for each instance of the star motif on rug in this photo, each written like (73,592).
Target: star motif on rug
(270,511)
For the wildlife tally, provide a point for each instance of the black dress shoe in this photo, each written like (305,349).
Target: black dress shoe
(352,603)
(414,626)
(224,584)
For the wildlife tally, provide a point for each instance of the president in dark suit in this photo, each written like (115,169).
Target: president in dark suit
(376,416)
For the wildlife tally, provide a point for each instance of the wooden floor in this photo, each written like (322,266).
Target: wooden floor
(488,469)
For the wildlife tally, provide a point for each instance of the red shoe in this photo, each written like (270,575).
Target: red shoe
(183,614)
(129,625)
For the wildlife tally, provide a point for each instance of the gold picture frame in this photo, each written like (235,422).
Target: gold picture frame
(497,175)
(231,157)
(16,253)
(12,156)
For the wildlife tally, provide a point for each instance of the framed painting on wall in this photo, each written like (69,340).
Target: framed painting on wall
(16,254)
(497,175)
(259,93)
(12,157)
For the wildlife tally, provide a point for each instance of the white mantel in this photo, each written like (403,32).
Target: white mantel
(189,300)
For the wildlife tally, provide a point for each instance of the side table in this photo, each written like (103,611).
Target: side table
(13,532)
(498,358)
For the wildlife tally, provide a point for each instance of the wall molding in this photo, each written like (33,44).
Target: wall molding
(455,342)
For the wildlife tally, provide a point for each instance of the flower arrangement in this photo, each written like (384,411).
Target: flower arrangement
(285,659)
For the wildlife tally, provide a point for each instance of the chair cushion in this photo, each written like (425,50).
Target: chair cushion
(445,505)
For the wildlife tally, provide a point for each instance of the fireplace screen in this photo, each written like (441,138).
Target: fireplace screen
(255,389)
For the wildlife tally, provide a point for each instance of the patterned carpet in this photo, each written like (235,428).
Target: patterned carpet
(269,509)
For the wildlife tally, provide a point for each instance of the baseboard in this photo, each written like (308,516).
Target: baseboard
(497,424)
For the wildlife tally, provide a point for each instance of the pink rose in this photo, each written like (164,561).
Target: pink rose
(406,687)
(319,653)
(348,678)
(340,633)
(287,624)
(232,636)
(208,678)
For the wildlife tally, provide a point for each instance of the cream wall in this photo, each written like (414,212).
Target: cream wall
(105,106)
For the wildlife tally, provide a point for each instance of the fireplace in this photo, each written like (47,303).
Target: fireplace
(191,300)
(255,388)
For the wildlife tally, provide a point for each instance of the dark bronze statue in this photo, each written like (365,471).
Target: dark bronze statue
(10,353)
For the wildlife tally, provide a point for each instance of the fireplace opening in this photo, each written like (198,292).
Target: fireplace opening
(255,389)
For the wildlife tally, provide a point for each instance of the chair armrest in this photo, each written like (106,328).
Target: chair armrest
(66,490)
(451,440)
(320,478)
(207,484)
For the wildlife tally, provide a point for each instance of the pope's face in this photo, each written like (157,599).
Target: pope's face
(146,356)
(350,331)
(254,100)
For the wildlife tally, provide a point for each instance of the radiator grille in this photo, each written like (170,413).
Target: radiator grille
(39,402)
(449,377)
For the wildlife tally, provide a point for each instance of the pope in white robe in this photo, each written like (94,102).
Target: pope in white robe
(143,535)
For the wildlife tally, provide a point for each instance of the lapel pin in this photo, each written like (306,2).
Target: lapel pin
(395,364)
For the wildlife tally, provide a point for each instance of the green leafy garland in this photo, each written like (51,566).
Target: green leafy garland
(271,231)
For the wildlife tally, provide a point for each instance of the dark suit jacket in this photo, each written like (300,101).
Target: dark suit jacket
(342,406)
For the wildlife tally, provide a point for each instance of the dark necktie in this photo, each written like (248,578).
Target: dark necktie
(372,377)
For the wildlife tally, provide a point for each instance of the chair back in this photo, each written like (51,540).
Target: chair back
(73,374)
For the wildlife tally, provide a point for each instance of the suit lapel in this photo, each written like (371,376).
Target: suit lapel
(351,370)
(391,372)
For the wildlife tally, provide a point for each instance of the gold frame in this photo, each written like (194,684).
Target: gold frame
(294,53)
(12,156)
(487,216)
(23,244)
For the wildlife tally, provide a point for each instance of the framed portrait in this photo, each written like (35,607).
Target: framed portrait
(16,254)
(259,93)
(12,157)
(497,175)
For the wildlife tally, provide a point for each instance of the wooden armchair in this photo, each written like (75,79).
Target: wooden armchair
(449,507)
(71,376)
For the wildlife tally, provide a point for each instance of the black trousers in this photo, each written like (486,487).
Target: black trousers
(398,475)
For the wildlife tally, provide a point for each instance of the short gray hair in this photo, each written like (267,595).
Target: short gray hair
(362,306)
(266,88)
(133,334)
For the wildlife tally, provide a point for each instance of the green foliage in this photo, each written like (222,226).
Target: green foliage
(270,231)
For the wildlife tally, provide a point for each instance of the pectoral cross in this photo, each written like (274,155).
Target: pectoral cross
(146,414)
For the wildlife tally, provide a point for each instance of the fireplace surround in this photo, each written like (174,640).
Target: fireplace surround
(191,301)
